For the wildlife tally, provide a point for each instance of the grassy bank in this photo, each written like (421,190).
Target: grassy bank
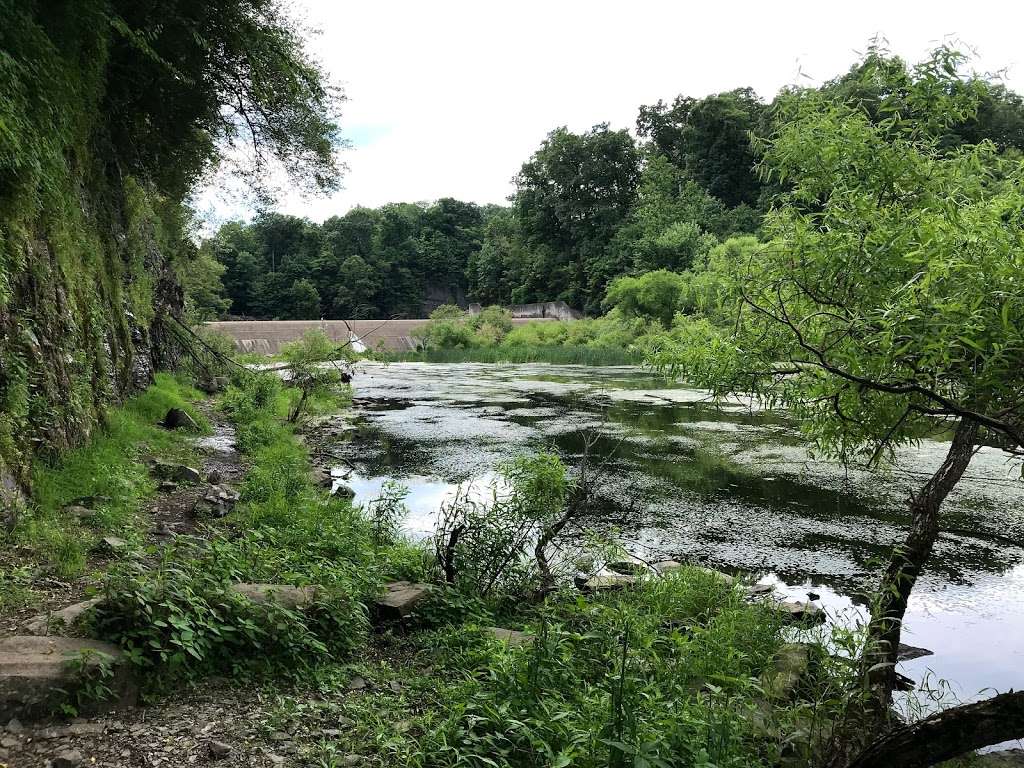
(561,355)
(108,475)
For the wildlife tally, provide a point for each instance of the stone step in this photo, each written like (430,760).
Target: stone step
(285,595)
(511,637)
(38,674)
(399,600)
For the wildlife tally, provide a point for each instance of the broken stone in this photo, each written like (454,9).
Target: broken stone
(84,514)
(179,419)
(41,624)
(167,486)
(813,596)
(604,581)
(792,662)
(399,599)
(511,637)
(280,594)
(342,491)
(181,473)
(69,758)
(666,566)
(218,749)
(755,590)
(36,676)
(14,726)
(798,611)
(113,545)
(213,477)
(357,683)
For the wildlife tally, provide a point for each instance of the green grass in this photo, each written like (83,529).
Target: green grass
(109,468)
(556,355)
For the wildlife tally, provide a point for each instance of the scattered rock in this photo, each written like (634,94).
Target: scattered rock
(41,624)
(69,758)
(342,491)
(85,729)
(214,477)
(798,611)
(163,529)
(664,567)
(218,749)
(178,419)
(35,676)
(281,594)
(604,581)
(813,596)
(113,545)
(167,486)
(395,686)
(89,502)
(275,759)
(511,637)
(628,568)
(908,652)
(357,683)
(84,514)
(755,590)
(9,742)
(791,664)
(352,759)
(14,726)
(181,473)
(399,600)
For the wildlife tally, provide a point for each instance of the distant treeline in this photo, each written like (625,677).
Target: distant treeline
(587,208)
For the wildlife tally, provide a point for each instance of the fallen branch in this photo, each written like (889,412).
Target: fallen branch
(947,734)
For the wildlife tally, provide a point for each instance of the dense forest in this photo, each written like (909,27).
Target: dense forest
(587,208)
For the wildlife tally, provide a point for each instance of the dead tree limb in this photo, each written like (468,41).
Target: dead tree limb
(947,734)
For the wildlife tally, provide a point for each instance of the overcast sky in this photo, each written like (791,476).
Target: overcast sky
(448,98)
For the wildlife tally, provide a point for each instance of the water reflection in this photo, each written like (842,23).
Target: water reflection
(732,487)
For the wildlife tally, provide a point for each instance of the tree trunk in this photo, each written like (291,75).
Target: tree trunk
(947,734)
(907,562)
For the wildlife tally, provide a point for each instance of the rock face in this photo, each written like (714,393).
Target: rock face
(65,617)
(36,673)
(1007,758)
(400,600)
(280,594)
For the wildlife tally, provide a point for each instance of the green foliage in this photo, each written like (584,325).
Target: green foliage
(664,674)
(653,296)
(314,371)
(484,538)
(106,471)
(890,290)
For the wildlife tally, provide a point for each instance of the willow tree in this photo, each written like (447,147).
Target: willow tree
(886,304)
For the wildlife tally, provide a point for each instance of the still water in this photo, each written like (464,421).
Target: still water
(730,487)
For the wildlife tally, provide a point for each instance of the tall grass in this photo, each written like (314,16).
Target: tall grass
(555,355)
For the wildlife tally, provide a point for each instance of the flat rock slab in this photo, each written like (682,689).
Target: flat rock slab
(36,673)
(605,581)
(511,637)
(284,595)
(798,611)
(400,599)
(65,617)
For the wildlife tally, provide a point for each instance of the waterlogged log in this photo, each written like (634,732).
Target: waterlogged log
(37,674)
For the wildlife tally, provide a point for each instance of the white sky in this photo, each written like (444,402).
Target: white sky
(448,98)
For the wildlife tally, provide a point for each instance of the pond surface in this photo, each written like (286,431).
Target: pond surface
(730,487)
